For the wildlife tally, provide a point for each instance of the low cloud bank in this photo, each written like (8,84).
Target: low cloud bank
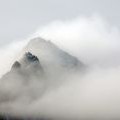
(96,94)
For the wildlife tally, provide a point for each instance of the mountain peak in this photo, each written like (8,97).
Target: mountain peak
(51,55)
(42,66)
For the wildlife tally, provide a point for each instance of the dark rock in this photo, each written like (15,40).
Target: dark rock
(31,57)
(16,65)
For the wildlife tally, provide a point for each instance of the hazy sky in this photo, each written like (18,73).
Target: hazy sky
(20,18)
(94,95)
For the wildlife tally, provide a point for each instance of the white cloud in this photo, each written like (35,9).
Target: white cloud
(93,95)
(91,39)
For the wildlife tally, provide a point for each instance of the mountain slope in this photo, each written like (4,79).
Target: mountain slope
(41,66)
(51,55)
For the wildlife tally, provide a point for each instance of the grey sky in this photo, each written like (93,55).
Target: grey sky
(20,18)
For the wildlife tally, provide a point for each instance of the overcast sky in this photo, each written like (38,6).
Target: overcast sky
(20,18)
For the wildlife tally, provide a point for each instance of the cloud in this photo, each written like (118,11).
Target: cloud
(96,94)
(9,53)
(91,39)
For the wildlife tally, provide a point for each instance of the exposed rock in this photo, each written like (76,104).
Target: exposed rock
(31,57)
(16,65)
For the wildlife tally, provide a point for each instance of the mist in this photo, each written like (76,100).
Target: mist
(92,95)
(92,39)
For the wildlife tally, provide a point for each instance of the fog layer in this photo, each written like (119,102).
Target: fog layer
(95,94)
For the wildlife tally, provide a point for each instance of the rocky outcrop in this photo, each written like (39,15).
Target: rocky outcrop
(31,58)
